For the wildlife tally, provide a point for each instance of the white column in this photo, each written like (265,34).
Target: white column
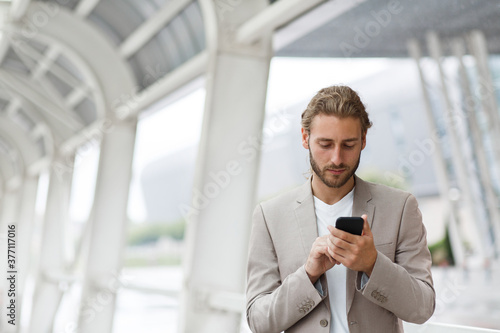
(484,172)
(486,94)
(52,260)
(461,165)
(226,178)
(107,235)
(439,161)
(486,89)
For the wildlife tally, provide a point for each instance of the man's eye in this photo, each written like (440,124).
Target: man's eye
(349,146)
(324,146)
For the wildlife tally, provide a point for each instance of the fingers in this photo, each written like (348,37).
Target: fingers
(326,251)
(334,250)
(329,256)
(366,227)
(347,248)
(343,235)
(321,248)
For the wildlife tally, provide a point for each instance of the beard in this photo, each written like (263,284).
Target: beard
(337,181)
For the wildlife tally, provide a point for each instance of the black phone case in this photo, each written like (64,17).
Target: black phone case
(353,225)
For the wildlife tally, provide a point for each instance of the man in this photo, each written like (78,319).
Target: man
(304,275)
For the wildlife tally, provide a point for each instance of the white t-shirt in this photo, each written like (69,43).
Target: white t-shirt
(327,215)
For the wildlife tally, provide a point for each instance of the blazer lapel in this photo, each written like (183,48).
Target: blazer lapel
(361,205)
(306,221)
(306,217)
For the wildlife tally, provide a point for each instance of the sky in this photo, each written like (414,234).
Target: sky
(178,125)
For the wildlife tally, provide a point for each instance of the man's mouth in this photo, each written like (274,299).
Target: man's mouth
(336,171)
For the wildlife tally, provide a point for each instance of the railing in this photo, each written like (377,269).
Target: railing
(443,328)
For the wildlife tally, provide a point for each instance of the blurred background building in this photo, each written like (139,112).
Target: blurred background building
(136,137)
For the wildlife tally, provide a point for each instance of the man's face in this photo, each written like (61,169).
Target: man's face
(335,146)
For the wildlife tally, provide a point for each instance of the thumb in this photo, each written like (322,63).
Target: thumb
(366,227)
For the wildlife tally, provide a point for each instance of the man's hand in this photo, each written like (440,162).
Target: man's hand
(355,252)
(319,260)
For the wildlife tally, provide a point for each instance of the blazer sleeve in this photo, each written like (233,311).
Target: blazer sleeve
(404,286)
(274,305)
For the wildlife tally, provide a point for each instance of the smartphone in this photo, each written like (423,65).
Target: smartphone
(353,225)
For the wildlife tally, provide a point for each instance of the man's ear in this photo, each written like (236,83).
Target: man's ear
(305,138)
(363,139)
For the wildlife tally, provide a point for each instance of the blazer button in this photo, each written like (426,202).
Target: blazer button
(323,323)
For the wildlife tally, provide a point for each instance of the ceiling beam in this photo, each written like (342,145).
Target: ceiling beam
(21,143)
(99,62)
(4,46)
(273,17)
(14,105)
(39,166)
(311,21)
(18,9)
(172,81)
(45,60)
(39,64)
(92,132)
(152,26)
(85,7)
(27,90)
(7,167)
(33,58)
(77,95)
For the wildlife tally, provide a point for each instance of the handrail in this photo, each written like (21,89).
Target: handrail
(444,328)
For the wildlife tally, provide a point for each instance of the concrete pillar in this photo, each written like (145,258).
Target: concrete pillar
(107,232)
(486,94)
(52,259)
(224,193)
(461,164)
(480,156)
(439,161)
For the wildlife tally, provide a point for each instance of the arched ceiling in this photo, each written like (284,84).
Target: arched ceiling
(65,65)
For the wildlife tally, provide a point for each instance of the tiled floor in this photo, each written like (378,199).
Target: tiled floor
(464,297)
(469,297)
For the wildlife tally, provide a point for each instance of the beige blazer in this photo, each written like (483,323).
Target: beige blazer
(280,296)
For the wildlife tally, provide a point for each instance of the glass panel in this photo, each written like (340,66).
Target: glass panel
(14,63)
(71,4)
(67,65)
(86,110)
(176,43)
(164,159)
(62,87)
(117,19)
(195,25)
(23,120)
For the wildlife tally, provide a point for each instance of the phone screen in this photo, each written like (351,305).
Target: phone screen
(353,225)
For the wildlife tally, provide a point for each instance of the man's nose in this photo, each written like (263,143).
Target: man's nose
(336,157)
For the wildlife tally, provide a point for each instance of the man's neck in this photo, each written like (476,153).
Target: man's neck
(330,195)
